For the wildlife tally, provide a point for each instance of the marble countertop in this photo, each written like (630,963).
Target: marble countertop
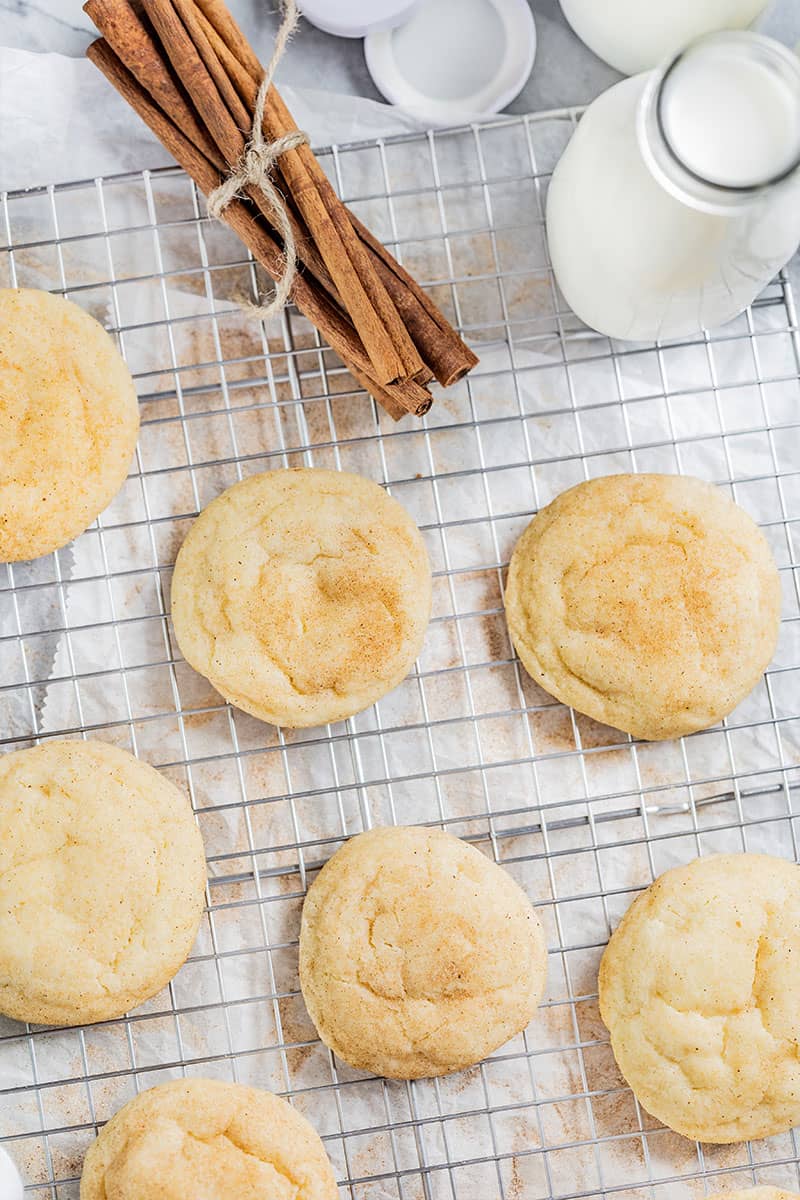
(565,73)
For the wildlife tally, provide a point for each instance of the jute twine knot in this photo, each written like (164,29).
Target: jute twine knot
(255,168)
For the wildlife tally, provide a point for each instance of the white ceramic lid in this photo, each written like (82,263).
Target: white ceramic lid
(356,18)
(455,60)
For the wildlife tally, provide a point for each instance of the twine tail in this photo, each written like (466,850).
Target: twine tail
(255,169)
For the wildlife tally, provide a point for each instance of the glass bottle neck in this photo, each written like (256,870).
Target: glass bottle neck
(720,125)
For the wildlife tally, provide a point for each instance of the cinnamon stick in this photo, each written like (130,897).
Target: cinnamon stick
(133,43)
(448,355)
(407,396)
(424,330)
(440,346)
(228,132)
(189,71)
(308,184)
(392,353)
(198,30)
(449,358)
(387,397)
(219,15)
(245,82)
(192,23)
(301,169)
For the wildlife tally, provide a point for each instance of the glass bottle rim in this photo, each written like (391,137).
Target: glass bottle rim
(768,46)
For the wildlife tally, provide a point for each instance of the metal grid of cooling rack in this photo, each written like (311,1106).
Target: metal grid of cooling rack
(582,816)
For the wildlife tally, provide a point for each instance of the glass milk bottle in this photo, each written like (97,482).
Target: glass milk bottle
(637,35)
(677,198)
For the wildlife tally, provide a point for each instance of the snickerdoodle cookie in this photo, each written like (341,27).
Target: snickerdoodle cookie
(418,955)
(68,422)
(698,988)
(204,1137)
(649,602)
(755,1193)
(302,595)
(102,878)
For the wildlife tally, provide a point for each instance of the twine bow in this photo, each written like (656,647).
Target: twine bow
(255,167)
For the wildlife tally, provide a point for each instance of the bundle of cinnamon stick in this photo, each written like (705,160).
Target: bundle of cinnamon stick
(190,73)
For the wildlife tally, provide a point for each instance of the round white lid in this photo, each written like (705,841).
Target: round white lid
(356,18)
(455,60)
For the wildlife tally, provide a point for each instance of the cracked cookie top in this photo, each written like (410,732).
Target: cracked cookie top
(649,602)
(205,1137)
(102,879)
(69,419)
(698,988)
(418,954)
(303,596)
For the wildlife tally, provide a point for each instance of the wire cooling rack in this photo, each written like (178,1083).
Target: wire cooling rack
(582,816)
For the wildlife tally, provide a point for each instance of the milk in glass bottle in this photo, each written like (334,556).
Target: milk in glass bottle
(637,35)
(677,198)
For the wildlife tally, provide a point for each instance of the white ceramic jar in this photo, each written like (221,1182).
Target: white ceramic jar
(677,198)
(637,35)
